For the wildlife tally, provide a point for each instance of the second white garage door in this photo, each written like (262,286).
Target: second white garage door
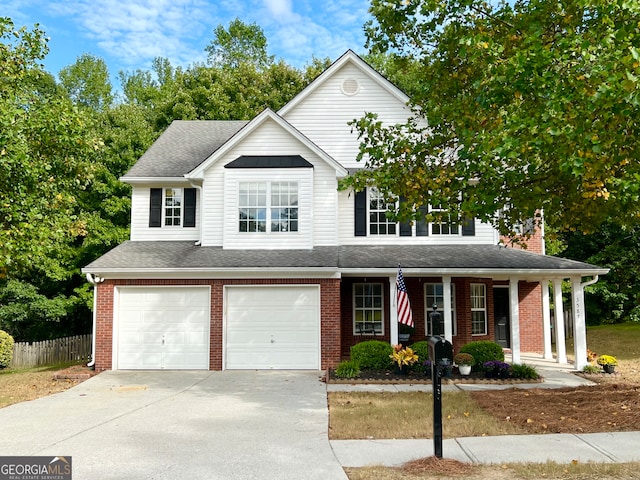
(272,327)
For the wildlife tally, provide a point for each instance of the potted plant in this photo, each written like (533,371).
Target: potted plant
(464,361)
(403,357)
(404,332)
(608,363)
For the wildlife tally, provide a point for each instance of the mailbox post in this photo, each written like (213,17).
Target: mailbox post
(441,355)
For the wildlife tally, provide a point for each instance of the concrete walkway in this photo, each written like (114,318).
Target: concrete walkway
(563,448)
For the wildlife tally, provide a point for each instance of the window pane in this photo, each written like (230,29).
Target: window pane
(368,313)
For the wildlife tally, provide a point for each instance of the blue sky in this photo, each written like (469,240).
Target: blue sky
(129,34)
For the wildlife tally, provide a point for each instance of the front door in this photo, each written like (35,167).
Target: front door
(501,316)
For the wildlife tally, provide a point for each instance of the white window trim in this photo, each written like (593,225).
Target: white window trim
(432,224)
(370,192)
(428,308)
(382,308)
(268,208)
(484,310)
(165,207)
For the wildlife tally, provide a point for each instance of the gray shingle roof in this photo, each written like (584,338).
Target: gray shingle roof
(171,256)
(184,145)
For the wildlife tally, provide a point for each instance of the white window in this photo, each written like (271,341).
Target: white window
(172,206)
(367,308)
(275,201)
(379,224)
(478,309)
(446,226)
(434,295)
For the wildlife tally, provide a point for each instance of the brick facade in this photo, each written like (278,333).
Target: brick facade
(329,315)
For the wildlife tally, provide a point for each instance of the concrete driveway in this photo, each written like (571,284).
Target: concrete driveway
(181,425)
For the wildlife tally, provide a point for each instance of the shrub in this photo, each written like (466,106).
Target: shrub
(422,350)
(591,369)
(483,351)
(6,349)
(372,354)
(522,370)
(348,369)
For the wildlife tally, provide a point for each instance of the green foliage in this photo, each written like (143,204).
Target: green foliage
(590,369)
(524,371)
(26,313)
(614,299)
(87,82)
(239,44)
(521,99)
(372,354)
(483,351)
(6,349)
(348,369)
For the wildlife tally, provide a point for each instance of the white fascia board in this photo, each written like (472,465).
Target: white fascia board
(266,114)
(154,180)
(477,272)
(348,57)
(212,273)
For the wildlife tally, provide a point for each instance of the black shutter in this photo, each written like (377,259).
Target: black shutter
(189,207)
(405,227)
(155,207)
(422,227)
(468,226)
(361,214)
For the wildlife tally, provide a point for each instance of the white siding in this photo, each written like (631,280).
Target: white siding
(140,230)
(323,115)
(485,234)
(317,189)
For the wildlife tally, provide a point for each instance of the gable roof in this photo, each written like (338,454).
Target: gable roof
(266,115)
(349,57)
(182,147)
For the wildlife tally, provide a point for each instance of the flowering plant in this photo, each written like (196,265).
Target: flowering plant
(591,356)
(607,360)
(464,359)
(403,356)
(496,368)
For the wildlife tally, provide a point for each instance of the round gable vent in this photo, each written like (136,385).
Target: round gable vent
(350,86)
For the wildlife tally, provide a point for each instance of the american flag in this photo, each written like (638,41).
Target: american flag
(404,307)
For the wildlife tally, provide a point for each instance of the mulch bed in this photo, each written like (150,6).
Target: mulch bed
(598,408)
(418,378)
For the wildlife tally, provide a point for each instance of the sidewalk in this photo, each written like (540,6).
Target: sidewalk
(563,448)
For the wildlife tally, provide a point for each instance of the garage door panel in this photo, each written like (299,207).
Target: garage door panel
(163,328)
(272,327)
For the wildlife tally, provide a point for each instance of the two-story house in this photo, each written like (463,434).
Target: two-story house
(245,255)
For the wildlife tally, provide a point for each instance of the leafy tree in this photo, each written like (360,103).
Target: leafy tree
(532,104)
(87,82)
(240,44)
(45,159)
(616,296)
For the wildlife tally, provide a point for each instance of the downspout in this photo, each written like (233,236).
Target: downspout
(94,280)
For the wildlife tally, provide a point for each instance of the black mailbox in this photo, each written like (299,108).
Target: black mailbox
(440,349)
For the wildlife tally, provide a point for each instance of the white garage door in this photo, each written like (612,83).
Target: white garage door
(272,327)
(162,328)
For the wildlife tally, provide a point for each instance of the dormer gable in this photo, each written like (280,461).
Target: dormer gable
(267,115)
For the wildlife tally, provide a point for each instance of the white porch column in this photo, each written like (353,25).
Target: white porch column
(514,311)
(579,323)
(558,325)
(448,320)
(546,319)
(393,312)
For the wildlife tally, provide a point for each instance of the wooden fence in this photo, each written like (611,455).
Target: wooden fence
(52,352)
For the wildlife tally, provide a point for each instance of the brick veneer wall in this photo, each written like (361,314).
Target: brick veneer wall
(329,315)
